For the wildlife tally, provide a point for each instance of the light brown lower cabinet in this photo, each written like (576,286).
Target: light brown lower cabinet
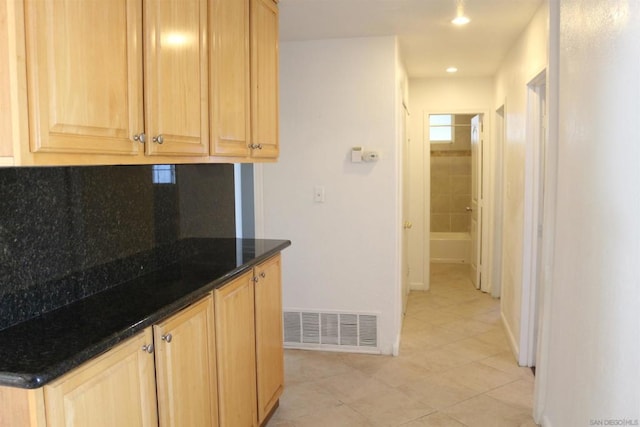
(218,362)
(249,345)
(186,367)
(236,352)
(120,389)
(115,389)
(269,339)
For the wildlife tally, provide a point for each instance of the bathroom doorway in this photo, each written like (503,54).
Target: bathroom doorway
(450,192)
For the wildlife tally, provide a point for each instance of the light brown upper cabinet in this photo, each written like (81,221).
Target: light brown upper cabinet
(230,106)
(86,89)
(176,77)
(7,95)
(264,78)
(244,78)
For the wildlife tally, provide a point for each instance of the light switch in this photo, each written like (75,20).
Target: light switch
(318,194)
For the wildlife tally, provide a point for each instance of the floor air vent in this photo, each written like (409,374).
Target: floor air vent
(331,330)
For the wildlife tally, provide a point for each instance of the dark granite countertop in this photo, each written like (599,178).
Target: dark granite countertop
(37,351)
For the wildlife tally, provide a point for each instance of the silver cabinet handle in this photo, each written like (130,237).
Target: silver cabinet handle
(167,338)
(468,209)
(148,348)
(140,137)
(158,139)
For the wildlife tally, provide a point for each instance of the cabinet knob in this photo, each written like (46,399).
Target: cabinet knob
(158,139)
(167,338)
(259,146)
(263,275)
(148,348)
(255,279)
(140,137)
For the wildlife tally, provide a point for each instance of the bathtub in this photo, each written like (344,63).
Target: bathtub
(450,247)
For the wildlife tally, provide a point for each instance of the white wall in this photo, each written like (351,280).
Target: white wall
(594,320)
(336,94)
(525,60)
(453,94)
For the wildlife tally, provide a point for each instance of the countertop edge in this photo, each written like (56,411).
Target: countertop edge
(36,380)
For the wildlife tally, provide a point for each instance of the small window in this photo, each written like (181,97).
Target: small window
(441,128)
(164,174)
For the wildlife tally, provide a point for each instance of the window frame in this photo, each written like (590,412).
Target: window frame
(450,126)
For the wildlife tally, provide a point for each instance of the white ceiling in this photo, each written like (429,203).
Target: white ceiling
(429,43)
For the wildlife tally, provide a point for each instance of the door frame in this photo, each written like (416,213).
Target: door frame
(534,204)
(496,224)
(549,228)
(405,141)
(487,192)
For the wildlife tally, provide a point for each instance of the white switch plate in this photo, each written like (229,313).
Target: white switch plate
(318,194)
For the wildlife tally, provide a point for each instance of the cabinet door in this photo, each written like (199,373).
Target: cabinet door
(176,77)
(229,68)
(115,389)
(235,346)
(269,340)
(84,83)
(185,367)
(9,119)
(264,78)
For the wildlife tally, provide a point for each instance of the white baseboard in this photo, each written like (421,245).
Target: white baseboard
(396,347)
(512,340)
(418,286)
(449,261)
(331,348)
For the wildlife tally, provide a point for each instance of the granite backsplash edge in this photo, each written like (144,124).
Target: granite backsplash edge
(25,304)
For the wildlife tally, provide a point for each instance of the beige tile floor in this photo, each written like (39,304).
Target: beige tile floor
(454,369)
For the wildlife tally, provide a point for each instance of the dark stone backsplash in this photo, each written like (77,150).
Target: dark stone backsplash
(67,233)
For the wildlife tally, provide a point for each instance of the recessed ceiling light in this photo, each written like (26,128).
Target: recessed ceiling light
(452,70)
(460,20)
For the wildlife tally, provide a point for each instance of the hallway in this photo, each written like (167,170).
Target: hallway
(454,369)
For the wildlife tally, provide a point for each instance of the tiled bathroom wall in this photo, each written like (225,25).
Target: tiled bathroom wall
(451,181)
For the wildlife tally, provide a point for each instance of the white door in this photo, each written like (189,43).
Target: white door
(405,211)
(476,200)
